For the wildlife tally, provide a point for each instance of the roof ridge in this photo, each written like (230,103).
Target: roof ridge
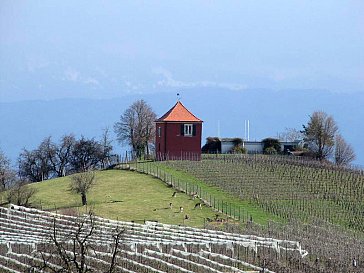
(179,113)
(187,110)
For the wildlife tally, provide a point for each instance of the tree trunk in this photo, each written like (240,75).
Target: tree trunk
(146,145)
(84,200)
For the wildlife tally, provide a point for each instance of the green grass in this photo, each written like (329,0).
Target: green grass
(123,195)
(248,210)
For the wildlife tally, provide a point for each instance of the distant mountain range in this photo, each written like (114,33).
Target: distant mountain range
(26,123)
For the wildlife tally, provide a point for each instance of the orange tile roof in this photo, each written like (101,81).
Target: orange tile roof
(179,113)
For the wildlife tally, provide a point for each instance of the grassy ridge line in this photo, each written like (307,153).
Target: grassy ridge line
(122,195)
(213,196)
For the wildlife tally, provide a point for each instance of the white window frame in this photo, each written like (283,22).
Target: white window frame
(188,129)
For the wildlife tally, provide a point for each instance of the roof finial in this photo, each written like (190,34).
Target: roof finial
(178,97)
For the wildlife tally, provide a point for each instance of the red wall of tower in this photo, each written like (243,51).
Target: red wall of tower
(170,143)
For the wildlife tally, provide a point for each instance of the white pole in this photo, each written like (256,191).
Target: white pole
(248,130)
(244,129)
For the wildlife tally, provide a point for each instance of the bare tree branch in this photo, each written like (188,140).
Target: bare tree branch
(344,153)
(68,252)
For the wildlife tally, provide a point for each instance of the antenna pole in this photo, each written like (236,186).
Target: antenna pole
(248,130)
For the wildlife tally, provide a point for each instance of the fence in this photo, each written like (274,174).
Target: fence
(232,210)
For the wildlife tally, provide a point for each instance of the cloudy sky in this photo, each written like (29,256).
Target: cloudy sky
(103,49)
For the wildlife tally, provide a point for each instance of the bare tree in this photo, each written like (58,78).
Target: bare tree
(86,154)
(68,251)
(7,175)
(320,134)
(344,153)
(106,145)
(35,165)
(60,155)
(81,183)
(290,134)
(42,153)
(29,166)
(20,194)
(136,127)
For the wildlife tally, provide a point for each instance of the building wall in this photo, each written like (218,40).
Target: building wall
(171,143)
(253,147)
(226,146)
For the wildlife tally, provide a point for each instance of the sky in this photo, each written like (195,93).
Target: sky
(104,49)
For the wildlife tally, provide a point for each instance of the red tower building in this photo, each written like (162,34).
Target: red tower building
(178,134)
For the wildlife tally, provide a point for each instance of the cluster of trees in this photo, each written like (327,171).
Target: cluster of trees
(51,159)
(54,160)
(69,155)
(322,137)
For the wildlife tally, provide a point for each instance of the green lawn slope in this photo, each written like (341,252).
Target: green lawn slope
(123,195)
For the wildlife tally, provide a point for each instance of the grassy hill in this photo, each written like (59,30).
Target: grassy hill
(123,195)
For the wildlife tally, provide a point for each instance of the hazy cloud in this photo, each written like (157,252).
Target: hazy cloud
(168,81)
(91,81)
(73,75)
(34,64)
(133,86)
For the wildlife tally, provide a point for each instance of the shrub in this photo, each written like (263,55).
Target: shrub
(213,145)
(271,143)
(270,151)
(239,150)
(20,194)
(237,141)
